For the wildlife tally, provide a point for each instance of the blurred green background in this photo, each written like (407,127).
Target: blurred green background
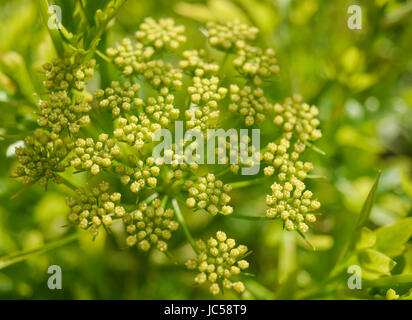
(361,80)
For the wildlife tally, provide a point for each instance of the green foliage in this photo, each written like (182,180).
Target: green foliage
(391,239)
(360,81)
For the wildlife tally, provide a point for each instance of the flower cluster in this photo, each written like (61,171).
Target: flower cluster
(119,98)
(209,194)
(162,110)
(93,156)
(162,33)
(256,64)
(293,204)
(157,84)
(68,73)
(91,211)
(136,130)
(150,225)
(139,173)
(63,112)
(194,61)
(289,200)
(230,34)
(161,75)
(278,159)
(250,103)
(236,153)
(218,260)
(252,62)
(206,91)
(205,94)
(177,162)
(42,157)
(136,60)
(58,112)
(130,58)
(298,117)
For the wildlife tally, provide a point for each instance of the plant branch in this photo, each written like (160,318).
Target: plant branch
(245,217)
(247,183)
(26,254)
(182,223)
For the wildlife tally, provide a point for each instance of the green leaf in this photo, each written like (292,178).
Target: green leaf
(13,64)
(391,281)
(90,7)
(370,200)
(391,240)
(68,15)
(366,240)
(407,296)
(363,218)
(375,261)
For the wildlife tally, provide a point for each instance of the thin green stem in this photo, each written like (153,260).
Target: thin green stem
(171,257)
(18,193)
(314,176)
(247,183)
(181,220)
(13,136)
(103,56)
(311,246)
(164,201)
(223,172)
(151,197)
(110,15)
(245,217)
(223,64)
(314,148)
(83,11)
(68,184)
(26,254)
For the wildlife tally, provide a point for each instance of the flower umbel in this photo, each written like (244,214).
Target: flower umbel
(218,261)
(99,208)
(42,157)
(209,194)
(112,135)
(150,225)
